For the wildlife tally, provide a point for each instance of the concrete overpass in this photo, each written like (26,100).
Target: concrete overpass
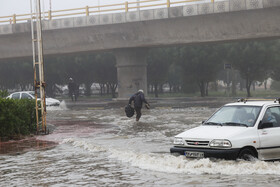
(130,34)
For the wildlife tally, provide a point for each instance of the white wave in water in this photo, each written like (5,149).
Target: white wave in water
(82,117)
(62,106)
(171,164)
(83,144)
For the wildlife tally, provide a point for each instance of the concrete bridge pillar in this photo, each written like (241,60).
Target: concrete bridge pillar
(132,71)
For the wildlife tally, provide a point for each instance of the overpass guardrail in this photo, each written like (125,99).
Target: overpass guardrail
(92,10)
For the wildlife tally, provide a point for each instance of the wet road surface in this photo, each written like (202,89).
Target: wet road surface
(97,146)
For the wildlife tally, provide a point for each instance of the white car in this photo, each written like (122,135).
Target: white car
(31,95)
(244,129)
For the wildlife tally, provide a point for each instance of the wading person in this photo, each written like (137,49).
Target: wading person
(72,87)
(138,99)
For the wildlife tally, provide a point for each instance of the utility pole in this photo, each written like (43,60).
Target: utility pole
(43,10)
(98,1)
(138,5)
(38,66)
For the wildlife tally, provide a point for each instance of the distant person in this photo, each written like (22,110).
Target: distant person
(72,87)
(243,117)
(269,117)
(138,99)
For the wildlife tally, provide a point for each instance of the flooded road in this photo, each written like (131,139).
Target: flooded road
(102,147)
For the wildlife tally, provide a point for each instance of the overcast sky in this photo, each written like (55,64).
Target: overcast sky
(9,7)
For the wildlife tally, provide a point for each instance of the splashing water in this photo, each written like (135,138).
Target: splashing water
(168,163)
(62,106)
(105,148)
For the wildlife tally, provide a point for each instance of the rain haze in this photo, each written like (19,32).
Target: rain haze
(167,93)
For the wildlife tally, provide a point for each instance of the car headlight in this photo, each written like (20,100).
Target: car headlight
(220,143)
(178,141)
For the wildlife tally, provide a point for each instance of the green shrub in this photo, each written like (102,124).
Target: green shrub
(17,117)
(3,93)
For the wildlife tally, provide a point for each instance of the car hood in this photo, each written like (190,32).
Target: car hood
(212,132)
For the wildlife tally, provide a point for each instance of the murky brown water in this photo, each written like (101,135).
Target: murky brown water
(98,147)
(25,145)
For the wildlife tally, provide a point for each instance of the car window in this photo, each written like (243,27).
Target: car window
(16,96)
(235,115)
(272,115)
(25,96)
(38,94)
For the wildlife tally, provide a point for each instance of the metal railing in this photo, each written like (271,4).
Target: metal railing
(92,10)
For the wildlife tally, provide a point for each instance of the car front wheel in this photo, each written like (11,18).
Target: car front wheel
(247,154)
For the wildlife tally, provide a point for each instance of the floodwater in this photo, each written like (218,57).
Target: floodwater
(102,147)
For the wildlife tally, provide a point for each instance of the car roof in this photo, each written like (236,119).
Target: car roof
(23,92)
(254,103)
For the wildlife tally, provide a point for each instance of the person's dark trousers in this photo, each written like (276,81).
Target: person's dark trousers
(138,113)
(71,96)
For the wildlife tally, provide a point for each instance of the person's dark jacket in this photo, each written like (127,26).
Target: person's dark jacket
(71,87)
(138,99)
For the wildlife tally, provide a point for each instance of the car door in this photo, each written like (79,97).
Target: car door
(269,137)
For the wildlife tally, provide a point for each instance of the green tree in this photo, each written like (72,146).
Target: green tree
(87,65)
(158,61)
(174,78)
(17,73)
(106,72)
(252,59)
(201,64)
(275,67)
(54,75)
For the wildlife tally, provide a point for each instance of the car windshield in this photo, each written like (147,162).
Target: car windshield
(235,116)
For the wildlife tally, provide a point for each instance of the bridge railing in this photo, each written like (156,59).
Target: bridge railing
(92,10)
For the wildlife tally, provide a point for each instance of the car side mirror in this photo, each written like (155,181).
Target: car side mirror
(202,122)
(265,125)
